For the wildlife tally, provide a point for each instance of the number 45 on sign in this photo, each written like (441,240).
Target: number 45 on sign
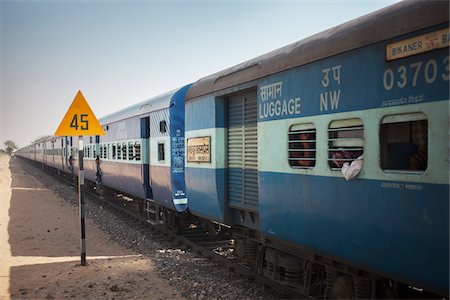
(79,120)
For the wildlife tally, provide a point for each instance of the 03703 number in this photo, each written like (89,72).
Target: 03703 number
(428,71)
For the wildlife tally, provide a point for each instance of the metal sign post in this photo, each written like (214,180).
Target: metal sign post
(81,199)
(80,121)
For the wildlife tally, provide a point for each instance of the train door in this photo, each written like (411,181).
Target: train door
(242,152)
(53,152)
(145,157)
(61,152)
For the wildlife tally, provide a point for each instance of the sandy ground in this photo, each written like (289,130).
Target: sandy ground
(40,249)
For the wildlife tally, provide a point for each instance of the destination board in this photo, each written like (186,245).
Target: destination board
(418,44)
(198,149)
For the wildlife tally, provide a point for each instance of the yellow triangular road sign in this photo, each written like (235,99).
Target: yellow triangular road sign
(79,120)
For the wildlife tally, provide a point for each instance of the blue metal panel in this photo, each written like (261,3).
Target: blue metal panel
(177,150)
(356,80)
(205,191)
(205,112)
(400,229)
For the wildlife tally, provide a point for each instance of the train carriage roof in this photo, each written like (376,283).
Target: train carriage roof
(392,21)
(147,106)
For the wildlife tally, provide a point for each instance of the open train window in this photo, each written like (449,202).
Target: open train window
(119,151)
(130,151)
(124,151)
(160,151)
(137,146)
(345,141)
(404,142)
(162,126)
(302,146)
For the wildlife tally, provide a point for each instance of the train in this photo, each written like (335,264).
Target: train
(259,149)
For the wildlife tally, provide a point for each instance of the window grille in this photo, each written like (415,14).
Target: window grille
(162,126)
(137,146)
(345,142)
(119,151)
(160,151)
(124,151)
(130,151)
(302,146)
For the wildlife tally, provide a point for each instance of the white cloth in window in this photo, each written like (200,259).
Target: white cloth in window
(350,171)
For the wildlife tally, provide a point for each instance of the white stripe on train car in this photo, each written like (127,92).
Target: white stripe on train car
(273,145)
(180,201)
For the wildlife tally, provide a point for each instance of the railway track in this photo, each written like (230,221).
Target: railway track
(214,250)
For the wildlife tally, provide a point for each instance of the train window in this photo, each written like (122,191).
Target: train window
(94,151)
(404,142)
(160,151)
(137,146)
(113,151)
(162,126)
(130,151)
(302,146)
(345,142)
(124,151)
(119,151)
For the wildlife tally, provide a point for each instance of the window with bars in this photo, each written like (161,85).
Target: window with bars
(345,142)
(124,151)
(130,151)
(161,152)
(137,146)
(404,142)
(302,146)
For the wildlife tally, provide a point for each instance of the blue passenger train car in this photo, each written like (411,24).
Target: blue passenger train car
(377,86)
(142,153)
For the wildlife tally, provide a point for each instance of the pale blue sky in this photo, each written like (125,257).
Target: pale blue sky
(122,52)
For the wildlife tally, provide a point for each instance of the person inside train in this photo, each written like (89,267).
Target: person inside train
(304,153)
(71,163)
